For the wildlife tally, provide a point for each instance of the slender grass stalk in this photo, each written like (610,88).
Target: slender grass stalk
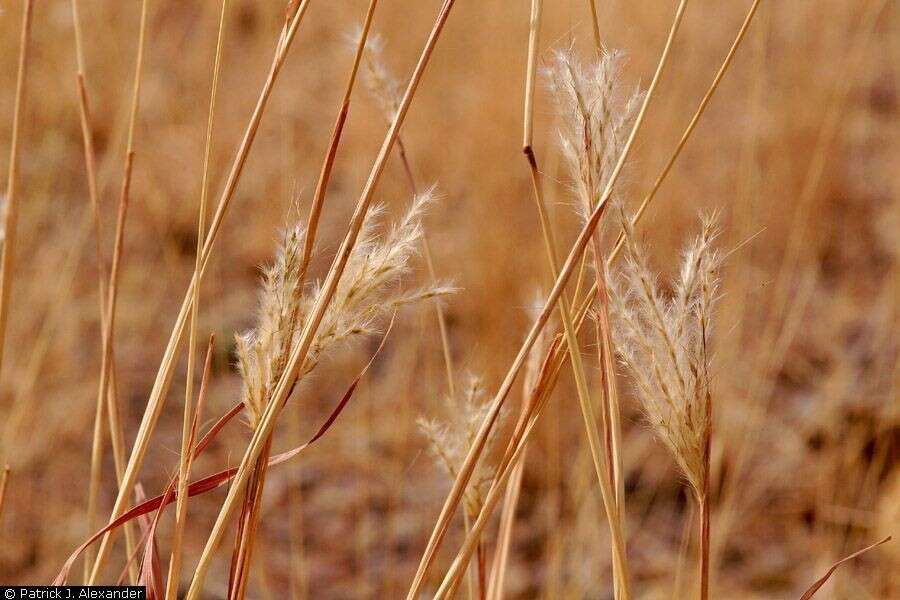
(472,577)
(117,437)
(315,210)
(504,534)
(534,34)
(247,526)
(704,545)
(11,210)
(385,90)
(532,382)
(249,518)
(164,375)
(689,130)
(4,480)
(112,291)
(299,353)
(565,273)
(595,25)
(299,578)
(507,518)
(547,376)
(809,593)
(497,578)
(602,464)
(511,462)
(683,551)
(432,275)
(184,468)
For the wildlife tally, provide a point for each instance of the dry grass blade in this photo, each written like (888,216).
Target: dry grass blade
(144,522)
(301,350)
(315,209)
(104,393)
(151,569)
(167,364)
(689,130)
(87,138)
(534,34)
(504,535)
(537,401)
(384,89)
(562,280)
(198,487)
(824,579)
(9,226)
(510,502)
(184,471)
(4,481)
(595,25)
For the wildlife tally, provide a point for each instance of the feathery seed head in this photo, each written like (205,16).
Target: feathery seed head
(379,80)
(449,438)
(663,344)
(596,111)
(369,289)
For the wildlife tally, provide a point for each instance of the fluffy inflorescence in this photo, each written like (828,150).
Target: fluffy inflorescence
(262,352)
(381,83)
(663,343)
(369,288)
(596,110)
(450,438)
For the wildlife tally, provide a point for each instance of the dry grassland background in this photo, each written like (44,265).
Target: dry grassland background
(804,354)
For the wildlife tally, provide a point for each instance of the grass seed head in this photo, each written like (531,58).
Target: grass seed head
(664,344)
(596,111)
(449,438)
(370,288)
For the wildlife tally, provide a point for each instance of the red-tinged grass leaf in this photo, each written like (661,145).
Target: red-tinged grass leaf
(148,506)
(238,570)
(144,525)
(144,521)
(151,571)
(216,480)
(819,583)
(280,458)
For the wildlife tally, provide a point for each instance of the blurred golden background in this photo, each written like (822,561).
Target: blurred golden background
(806,362)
